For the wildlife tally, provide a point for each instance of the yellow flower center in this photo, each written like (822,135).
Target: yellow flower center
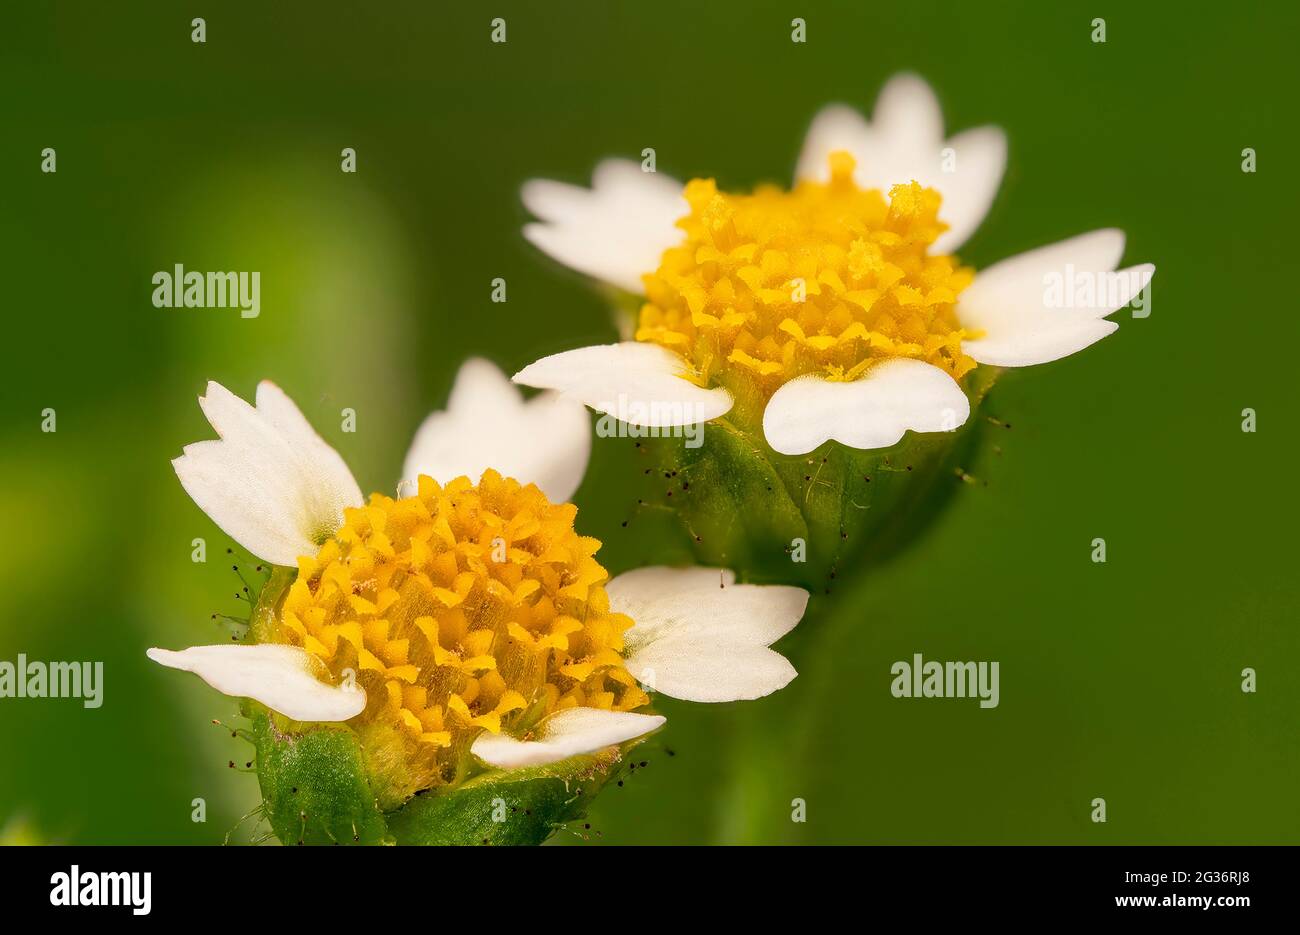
(459,610)
(827,278)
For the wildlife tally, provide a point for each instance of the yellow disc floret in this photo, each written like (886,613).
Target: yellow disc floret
(459,610)
(827,279)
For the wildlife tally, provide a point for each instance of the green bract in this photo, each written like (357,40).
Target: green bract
(315,791)
(816,518)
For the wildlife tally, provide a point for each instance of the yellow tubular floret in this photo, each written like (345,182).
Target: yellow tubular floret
(463,609)
(827,279)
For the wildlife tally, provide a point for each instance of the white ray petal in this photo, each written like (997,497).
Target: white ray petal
(617,230)
(699,636)
(635,382)
(1049,302)
(487,424)
(280,677)
(873,411)
(270,482)
(571,732)
(904,142)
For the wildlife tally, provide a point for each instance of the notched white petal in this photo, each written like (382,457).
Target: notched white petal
(634,381)
(617,230)
(571,732)
(270,482)
(280,677)
(904,142)
(699,636)
(487,424)
(874,411)
(708,671)
(1049,302)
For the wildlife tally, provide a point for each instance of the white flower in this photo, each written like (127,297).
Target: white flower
(279,490)
(834,338)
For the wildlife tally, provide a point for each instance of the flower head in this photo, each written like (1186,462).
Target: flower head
(462,610)
(832,311)
(465,625)
(827,279)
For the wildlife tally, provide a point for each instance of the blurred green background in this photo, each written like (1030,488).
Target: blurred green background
(1119,680)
